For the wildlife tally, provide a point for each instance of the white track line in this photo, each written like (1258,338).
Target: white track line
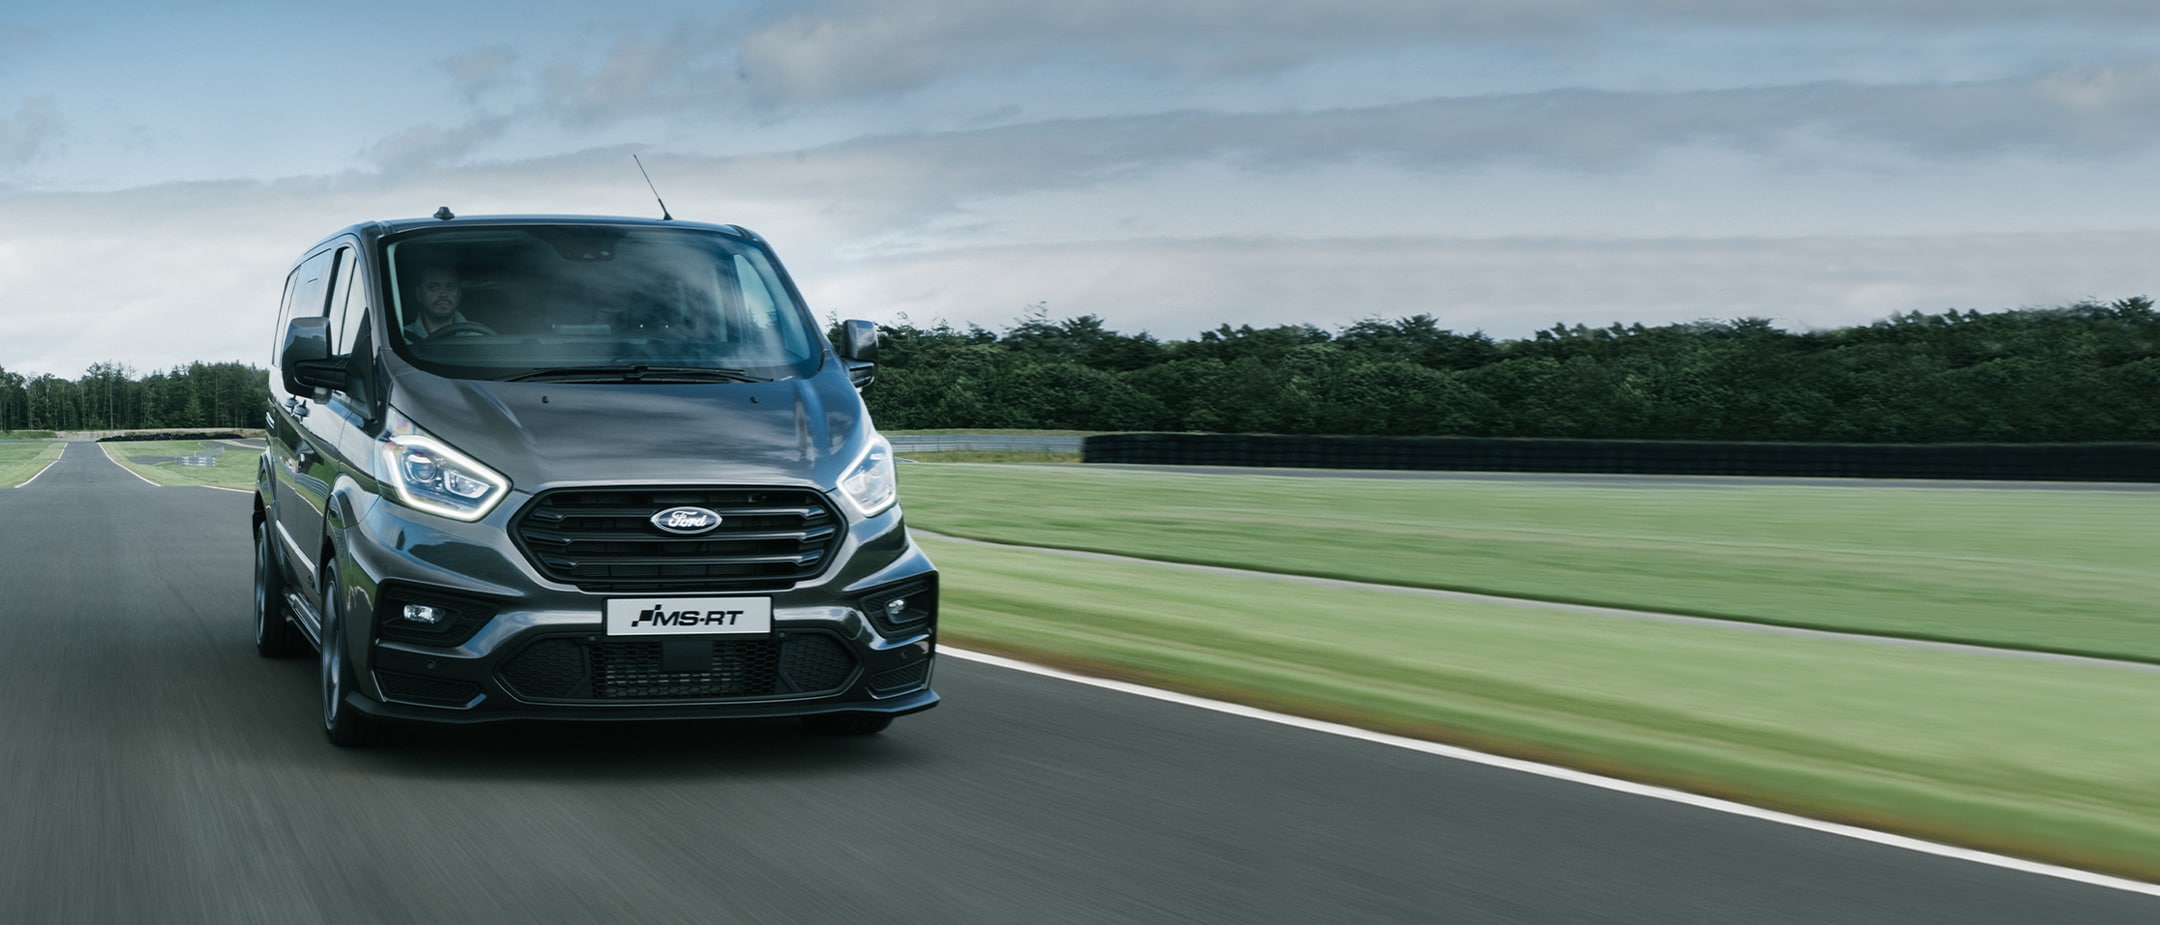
(244,491)
(109,458)
(55,462)
(1573,776)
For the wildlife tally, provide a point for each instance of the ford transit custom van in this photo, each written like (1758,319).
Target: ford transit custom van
(580,468)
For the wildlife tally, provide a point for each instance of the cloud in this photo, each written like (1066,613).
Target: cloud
(427,147)
(2077,112)
(637,75)
(849,49)
(482,70)
(1828,126)
(28,134)
(1508,287)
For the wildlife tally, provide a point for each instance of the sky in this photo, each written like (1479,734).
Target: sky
(1501,165)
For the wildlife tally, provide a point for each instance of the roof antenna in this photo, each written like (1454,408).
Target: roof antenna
(664,216)
(443,214)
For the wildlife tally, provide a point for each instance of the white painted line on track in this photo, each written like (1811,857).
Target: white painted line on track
(55,462)
(1572,776)
(243,491)
(109,458)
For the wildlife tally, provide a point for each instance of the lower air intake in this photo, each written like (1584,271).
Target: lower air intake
(575,670)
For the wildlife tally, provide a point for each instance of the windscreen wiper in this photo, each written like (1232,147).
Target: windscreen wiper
(636,372)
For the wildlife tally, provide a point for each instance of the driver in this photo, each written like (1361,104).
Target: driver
(440,290)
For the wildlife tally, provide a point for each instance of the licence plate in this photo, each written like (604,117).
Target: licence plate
(689,616)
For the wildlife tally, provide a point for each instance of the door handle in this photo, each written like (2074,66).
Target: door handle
(307,455)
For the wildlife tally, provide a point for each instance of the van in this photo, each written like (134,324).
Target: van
(580,468)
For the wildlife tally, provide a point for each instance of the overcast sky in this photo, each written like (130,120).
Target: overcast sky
(1504,165)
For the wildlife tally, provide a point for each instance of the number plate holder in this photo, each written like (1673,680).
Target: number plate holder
(690,616)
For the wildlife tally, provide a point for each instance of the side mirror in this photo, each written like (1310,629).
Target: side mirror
(305,357)
(858,346)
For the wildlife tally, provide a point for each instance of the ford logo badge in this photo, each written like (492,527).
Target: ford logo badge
(687,521)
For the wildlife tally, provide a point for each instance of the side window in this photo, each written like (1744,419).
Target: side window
(340,275)
(303,297)
(312,279)
(284,315)
(348,303)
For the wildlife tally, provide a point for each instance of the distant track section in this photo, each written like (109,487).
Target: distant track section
(2086,462)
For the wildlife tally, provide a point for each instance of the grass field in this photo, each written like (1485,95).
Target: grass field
(992,456)
(21,461)
(159,461)
(2044,569)
(2010,752)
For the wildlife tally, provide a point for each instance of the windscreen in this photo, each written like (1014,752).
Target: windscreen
(594,303)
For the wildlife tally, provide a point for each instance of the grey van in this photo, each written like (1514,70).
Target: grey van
(549,467)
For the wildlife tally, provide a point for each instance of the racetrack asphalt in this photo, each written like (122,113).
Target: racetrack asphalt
(156,770)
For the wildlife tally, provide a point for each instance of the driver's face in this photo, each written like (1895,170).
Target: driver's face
(439,294)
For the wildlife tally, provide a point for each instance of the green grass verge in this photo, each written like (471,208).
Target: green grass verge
(2068,571)
(2006,752)
(991,456)
(21,461)
(27,435)
(158,461)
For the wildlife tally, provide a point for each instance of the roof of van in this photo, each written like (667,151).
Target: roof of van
(384,227)
(391,226)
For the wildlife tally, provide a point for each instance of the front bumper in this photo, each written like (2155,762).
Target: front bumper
(542,650)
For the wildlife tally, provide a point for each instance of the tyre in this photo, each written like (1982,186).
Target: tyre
(846,724)
(345,726)
(275,636)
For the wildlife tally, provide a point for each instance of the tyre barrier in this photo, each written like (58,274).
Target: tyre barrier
(2084,462)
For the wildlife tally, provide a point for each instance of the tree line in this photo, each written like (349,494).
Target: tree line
(2088,372)
(111,396)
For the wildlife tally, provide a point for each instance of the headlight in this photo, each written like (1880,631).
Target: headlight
(426,474)
(872,486)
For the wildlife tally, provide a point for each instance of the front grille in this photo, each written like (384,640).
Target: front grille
(574,669)
(425,691)
(603,539)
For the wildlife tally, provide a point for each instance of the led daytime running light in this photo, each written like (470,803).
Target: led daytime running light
(872,486)
(428,475)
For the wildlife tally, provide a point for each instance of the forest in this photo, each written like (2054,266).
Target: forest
(2088,372)
(110,396)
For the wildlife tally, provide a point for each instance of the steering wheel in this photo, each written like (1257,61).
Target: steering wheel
(462,329)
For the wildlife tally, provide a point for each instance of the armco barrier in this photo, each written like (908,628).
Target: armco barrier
(2089,462)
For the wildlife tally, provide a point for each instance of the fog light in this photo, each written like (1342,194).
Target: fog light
(423,614)
(894,608)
